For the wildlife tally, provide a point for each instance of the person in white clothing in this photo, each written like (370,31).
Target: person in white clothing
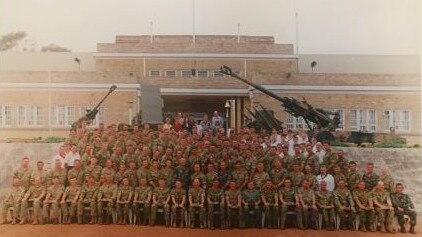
(60,156)
(72,156)
(319,152)
(326,177)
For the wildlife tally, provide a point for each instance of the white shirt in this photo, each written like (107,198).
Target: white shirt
(71,157)
(320,154)
(328,179)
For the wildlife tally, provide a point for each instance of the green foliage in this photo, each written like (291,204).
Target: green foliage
(53,140)
(396,142)
(339,143)
(11,40)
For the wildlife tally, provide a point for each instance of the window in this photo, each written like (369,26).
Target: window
(341,124)
(202,73)
(217,73)
(296,123)
(186,73)
(363,120)
(170,73)
(397,119)
(64,116)
(154,73)
(5,115)
(29,115)
(100,118)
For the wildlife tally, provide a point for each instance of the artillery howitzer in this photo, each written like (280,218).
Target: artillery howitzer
(317,119)
(91,114)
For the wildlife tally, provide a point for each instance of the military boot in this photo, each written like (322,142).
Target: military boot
(79,219)
(390,228)
(402,228)
(362,228)
(412,229)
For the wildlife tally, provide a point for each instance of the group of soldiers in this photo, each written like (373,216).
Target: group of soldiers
(137,175)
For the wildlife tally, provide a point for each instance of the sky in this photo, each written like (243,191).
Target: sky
(381,27)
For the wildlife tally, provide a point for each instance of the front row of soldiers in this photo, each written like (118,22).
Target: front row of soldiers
(375,209)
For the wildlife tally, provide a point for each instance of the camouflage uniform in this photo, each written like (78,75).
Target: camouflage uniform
(389,184)
(232,197)
(167,174)
(278,176)
(52,201)
(69,206)
(133,179)
(370,181)
(178,195)
(61,173)
(201,177)
(296,178)
(307,212)
(288,195)
(196,196)
(140,202)
(215,195)
(124,193)
(13,199)
(367,215)
(161,196)
(240,177)
(345,205)
(94,171)
(384,216)
(78,174)
(106,191)
(271,210)
(403,201)
(88,198)
(323,199)
(34,195)
(260,178)
(24,175)
(352,179)
(210,176)
(251,198)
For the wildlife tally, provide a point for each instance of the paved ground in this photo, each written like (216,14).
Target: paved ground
(124,231)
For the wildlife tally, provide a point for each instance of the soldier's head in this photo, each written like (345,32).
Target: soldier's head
(25,162)
(109,178)
(323,170)
(155,164)
(327,146)
(178,184)
(251,184)
(336,169)
(309,148)
(238,165)
(132,165)
(297,149)
(55,180)
(384,170)
(210,167)
(232,185)
(142,181)
(323,186)
(196,168)
(278,164)
(16,182)
(90,179)
(72,181)
(144,163)
(308,169)
(380,186)
(287,183)
(399,188)
(370,168)
(94,160)
(77,164)
(74,148)
(260,167)
(125,181)
(168,163)
(352,166)
(340,153)
(341,184)
(305,183)
(296,167)
(161,182)
(215,183)
(268,183)
(196,183)
(318,146)
(361,185)
(182,161)
(130,149)
(57,163)
(40,165)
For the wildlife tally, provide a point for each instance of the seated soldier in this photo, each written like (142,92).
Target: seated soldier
(196,203)
(124,197)
(88,197)
(107,194)
(234,202)
(345,205)
(52,202)
(270,201)
(33,197)
(142,200)
(404,206)
(215,199)
(287,196)
(365,207)
(13,199)
(307,208)
(383,207)
(251,199)
(160,200)
(70,200)
(325,204)
(178,198)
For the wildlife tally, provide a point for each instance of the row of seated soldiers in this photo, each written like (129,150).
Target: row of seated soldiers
(238,198)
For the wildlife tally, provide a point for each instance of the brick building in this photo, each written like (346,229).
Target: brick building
(41,94)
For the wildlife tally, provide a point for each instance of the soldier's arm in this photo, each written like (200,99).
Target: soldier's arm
(410,203)
(202,199)
(182,204)
(209,200)
(190,199)
(114,196)
(59,195)
(239,200)
(135,197)
(76,196)
(47,197)
(264,201)
(280,197)
(389,203)
(119,194)
(318,202)
(378,204)
(337,201)
(227,200)
(64,195)
(173,199)
(360,205)
(154,199)
(168,199)
(149,197)
(130,196)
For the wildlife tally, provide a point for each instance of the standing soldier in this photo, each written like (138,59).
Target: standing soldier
(33,196)
(211,175)
(24,173)
(310,159)
(40,172)
(178,199)
(142,199)
(345,205)
(130,173)
(107,194)
(197,174)
(307,208)
(251,199)
(52,201)
(13,199)
(383,207)
(287,195)
(325,204)
(196,203)
(77,172)
(94,169)
(270,202)
(124,197)
(353,176)
(371,179)
(160,199)
(387,179)
(70,200)
(239,175)
(167,172)
(88,197)
(404,206)
(365,207)
(260,176)
(278,174)
(234,202)
(215,198)
(296,176)
(57,171)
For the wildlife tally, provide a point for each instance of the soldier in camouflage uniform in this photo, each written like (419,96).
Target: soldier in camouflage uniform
(345,205)
(154,174)
(234,203)
(142,199)
(94,170)
(383,207)
(70,200)
(108,168)
(296,176)
(287,196)
(239,175)
(88,197)
(325,203)
(124,198)
(130,173)
(120,174)
(307,209)
(404,206)
(387,179)
(167,172)
(197,174)
(278,174)
(260,176)
(160,199)
(178,199)
(196,203)
(270,201)
(52,202)
(77,172)
(40,172)
(33,196)
(107,194)
(24,173)
(365,207)
(13,199)
(215,199)
(371,179)
(251,199)
(57,171)
(353,176)
(211,175)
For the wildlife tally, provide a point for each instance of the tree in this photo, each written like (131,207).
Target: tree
(11,40)
(54,48)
